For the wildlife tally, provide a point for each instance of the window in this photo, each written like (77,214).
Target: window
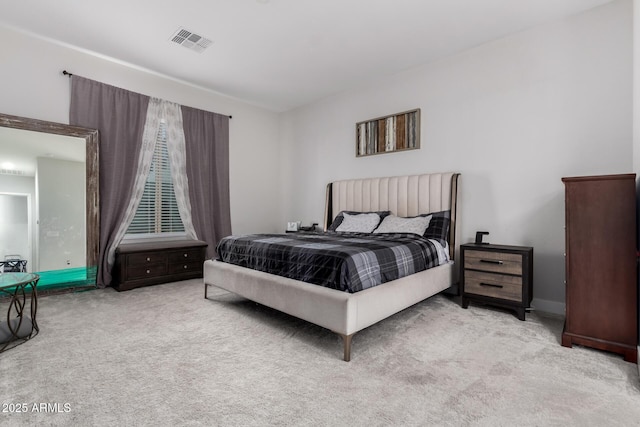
(158,209)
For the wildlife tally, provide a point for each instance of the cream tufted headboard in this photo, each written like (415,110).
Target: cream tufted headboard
(407,195)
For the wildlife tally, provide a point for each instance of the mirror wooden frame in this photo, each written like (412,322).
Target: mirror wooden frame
(92,139)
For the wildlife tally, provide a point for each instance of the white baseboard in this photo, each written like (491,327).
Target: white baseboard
(548,306)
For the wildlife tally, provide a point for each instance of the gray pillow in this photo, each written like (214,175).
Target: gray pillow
(396,224)
(338,219)
(360,223)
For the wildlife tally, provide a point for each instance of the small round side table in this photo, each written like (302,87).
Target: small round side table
(20,323)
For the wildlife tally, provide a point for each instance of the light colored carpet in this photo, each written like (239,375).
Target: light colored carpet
(165,356)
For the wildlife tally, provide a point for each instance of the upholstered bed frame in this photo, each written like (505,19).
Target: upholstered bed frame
(347,313)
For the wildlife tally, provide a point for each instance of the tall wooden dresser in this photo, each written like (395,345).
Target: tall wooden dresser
(601,275)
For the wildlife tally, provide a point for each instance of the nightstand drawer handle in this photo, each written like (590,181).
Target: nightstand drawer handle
(186,255)
(491,261)
(148,259)
(492,285)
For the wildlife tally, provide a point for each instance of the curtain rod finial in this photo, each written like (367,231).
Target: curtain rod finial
(66,73)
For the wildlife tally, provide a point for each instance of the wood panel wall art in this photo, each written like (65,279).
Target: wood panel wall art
(388,134)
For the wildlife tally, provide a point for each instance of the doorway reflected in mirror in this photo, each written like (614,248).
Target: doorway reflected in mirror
(15,232)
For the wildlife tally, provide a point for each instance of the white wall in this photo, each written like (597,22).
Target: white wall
(61,214)
(17,184)
(32,85)
(513,116)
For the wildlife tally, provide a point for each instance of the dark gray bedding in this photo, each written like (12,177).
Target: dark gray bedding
(348,262)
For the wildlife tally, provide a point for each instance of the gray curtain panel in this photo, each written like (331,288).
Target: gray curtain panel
(119,116)
(207,149)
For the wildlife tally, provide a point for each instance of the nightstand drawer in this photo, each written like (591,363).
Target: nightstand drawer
(498,262)
(493,285)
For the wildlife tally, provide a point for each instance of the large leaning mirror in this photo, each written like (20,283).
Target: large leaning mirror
(49,211)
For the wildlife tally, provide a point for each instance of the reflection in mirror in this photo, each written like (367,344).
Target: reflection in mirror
(15,229)
(48,201)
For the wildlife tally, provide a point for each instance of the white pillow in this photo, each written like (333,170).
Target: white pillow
(397,224)
(360,223)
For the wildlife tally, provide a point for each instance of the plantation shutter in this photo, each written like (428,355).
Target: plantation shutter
(158,210)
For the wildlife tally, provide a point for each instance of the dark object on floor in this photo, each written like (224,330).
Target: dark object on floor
(20,288)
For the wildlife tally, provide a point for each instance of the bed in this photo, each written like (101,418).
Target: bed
(346,313)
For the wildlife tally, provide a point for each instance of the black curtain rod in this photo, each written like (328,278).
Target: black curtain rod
(66,73)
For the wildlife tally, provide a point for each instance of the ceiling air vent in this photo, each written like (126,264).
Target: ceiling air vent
(11,172)
(191,40)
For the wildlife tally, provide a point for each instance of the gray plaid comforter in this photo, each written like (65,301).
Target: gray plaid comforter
(348,262)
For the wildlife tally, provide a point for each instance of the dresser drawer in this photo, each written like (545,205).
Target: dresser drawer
(493,285)
(145,271)
(146,258)
(185,256)
(186,267)
(499,262)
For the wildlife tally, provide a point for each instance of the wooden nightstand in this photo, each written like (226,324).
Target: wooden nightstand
(498,275)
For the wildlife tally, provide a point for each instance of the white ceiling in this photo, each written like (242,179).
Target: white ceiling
(281,54)
(21,148)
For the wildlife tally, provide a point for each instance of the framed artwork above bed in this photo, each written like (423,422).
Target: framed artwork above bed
(388,134)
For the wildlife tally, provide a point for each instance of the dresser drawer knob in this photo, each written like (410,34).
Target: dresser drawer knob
(491,261)
(148,271)
(185,267)
(491,285)
(186,255)
(148,259)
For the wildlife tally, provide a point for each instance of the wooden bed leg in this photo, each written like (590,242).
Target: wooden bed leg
(205,290)
(347,346)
